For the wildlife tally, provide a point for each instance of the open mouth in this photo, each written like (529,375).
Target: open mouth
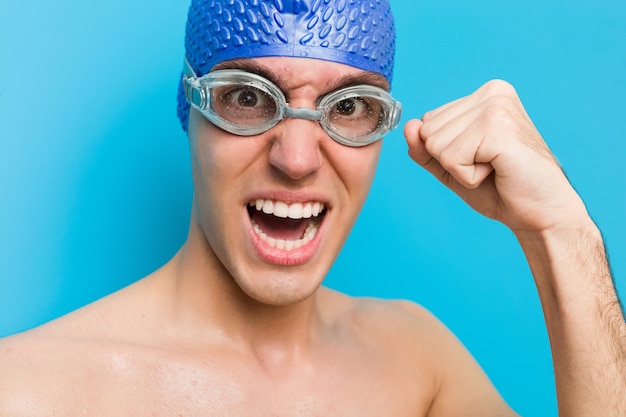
(286,226)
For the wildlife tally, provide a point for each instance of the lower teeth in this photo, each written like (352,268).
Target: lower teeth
(288,245)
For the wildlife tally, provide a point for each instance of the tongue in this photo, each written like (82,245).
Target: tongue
(278,228)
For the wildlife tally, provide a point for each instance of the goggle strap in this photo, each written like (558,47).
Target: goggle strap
(193,93)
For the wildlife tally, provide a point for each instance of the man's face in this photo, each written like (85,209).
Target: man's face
(245,186)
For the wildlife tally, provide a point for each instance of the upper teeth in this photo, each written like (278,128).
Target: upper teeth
(293,211)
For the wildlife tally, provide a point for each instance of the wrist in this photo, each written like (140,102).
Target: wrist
(570,267)
(572,232)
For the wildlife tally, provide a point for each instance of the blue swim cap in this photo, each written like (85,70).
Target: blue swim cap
(359,33)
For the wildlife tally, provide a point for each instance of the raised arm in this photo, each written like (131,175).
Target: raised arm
(487,150)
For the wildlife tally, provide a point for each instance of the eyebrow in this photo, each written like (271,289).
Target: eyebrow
(348,80)
(366,77)
(250,65)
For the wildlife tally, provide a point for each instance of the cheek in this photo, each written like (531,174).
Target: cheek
(211,156)
(203,169)
(207,170)
(208,145)
(213,183)
(357,167)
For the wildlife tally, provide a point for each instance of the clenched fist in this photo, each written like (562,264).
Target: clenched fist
(487,150)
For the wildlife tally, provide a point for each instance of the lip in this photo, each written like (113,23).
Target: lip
(281,257)
(290,197)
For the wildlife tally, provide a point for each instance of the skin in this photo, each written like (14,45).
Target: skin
(232,327)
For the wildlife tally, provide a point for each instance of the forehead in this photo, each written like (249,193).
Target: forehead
(291,73)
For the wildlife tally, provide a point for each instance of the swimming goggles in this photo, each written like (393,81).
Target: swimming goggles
(247,104)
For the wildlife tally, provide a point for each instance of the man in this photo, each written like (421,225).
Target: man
(284,105)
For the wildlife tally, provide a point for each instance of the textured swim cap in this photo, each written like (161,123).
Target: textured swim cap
(359,33)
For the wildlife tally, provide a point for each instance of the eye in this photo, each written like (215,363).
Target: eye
(351,106)
(243,105)
(355,116)
(245,97)
(345,107)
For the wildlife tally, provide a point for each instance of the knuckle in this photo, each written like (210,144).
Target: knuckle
(447,159)
(496,110)
(499,87)
(472,183)
(427,130)
(429,115)
(434,145)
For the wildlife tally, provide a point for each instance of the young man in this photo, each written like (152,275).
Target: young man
(284,105)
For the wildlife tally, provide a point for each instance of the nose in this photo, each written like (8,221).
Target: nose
(295,150)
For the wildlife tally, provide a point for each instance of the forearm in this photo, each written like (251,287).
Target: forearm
(486,149)
(584,319)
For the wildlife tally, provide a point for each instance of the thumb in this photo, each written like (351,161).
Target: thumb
(417,147)
(418,152)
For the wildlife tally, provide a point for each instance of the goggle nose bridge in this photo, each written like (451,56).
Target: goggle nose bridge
(302,113)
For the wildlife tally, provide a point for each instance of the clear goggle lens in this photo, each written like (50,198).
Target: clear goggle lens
(247,104)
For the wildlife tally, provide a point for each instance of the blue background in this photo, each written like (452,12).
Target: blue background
(94,173)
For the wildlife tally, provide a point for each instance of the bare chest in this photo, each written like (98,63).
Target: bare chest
(261,398)
(225,388)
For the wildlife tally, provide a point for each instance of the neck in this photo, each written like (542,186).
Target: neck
(205,300)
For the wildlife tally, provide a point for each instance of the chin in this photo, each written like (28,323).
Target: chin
(281,289)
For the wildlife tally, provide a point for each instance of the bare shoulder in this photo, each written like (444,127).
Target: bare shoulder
(405,330)
(401,312)
(54,361)
(398,330)
(403,320)
(416,346)
(52,369)
(31,364)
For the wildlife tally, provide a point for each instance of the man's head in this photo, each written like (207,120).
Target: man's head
(276,194)
(352,32)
